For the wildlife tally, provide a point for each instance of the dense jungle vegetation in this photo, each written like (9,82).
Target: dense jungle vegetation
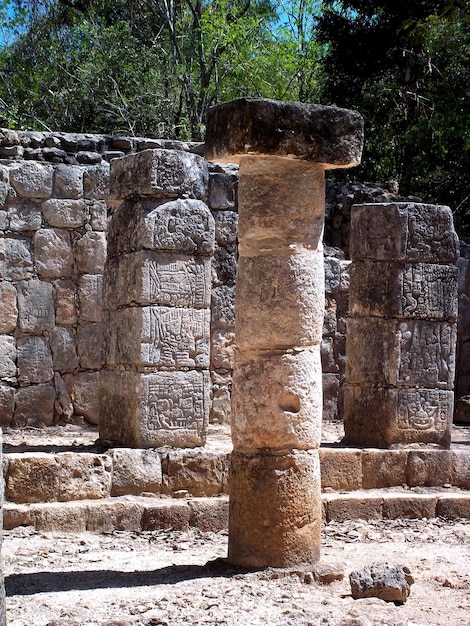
(154,67)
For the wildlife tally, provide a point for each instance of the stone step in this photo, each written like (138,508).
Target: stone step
(137,513)
(203,472)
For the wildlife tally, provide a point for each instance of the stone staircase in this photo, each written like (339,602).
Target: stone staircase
(80,485)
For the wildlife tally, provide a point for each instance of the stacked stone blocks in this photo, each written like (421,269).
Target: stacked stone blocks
(155,386)
(402,325)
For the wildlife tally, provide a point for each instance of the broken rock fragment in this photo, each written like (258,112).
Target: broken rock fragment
(387,581)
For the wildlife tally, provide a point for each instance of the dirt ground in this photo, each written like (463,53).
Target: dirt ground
(169,579)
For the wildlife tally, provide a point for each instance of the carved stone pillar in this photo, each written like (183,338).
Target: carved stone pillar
(402,326)
(283,150)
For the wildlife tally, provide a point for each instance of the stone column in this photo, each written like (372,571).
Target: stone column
(283,150)
(157,289)
(402,326)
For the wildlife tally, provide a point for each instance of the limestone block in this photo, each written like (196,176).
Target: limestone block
(15,515)
(24,217)
(8,307)
(53,254)
(352,506)
(345,276)
(453,506)
(322,134)
(223,307)
(275,510)
(341,469)
(331,392)
(330,320)
(386,581)
(68,181)
(332,274)
(401,353)
(384,468)
(90,253)
(226,227)
(223,188)
(407,232)
(107,516)
(65,213)
(32,180)
(185,226)
(222,348)
(220,411)
(280,302)
(63,517)
(328,355)
(135,472)
(163,337)
(166,514)
(84,476)
(96,181)
(62,342)
(159,174)
(7,357)
(460,470)
(36,306)
(90,345)
(4,184)
(281,203)
(86,402)
(7,405)
(150,277)
(32,477)
(385,289)
(16,262)
(209,514)
(34,360)
(380,417)
(3,220)
(65,293)
(152,410)
(63,406)
(429,468)
(99,215)
(90,297)
(276,401)
(199,473)
(412,506)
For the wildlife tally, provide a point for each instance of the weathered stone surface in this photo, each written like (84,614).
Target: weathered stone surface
(136,472)
(84,476)
(32,180)
(226,227)
(401,353)
(24,217)
(410,506)
(275,511)
(224,265)
(460,470)
(7,357)
(96,181)
(325,135)
(63,349)
(32,478)
(352,506)
(384,468)
(164,337)
(150,277)
(151,410)
(220,410)
(53,254)
(280,302)
(90,297)
(65,213)
(86,402)
(185,226)
(425,291)
(99,215)
(197,473)
(7,404)
(34,360)
(90,345)
(341,469)
(409,232)
(63,405)
(65,302)
(223,188)
(90,253)
(386,581)
(36,306)
(68,181)
(429,468)
(8,307)
(400,416)
(331,396)
(277,401)
(159,174)
(222,349)
(223,306)
(15,259)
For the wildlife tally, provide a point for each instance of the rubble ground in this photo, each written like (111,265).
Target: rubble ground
(165,578)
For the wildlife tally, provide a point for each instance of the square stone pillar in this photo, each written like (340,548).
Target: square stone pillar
(155,387)
(283,149)
(402,327)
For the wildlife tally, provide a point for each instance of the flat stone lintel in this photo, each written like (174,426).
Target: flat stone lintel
(254,126)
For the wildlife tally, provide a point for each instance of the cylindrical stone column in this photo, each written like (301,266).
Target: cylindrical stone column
(402,327)
(275,503)
(157,291)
